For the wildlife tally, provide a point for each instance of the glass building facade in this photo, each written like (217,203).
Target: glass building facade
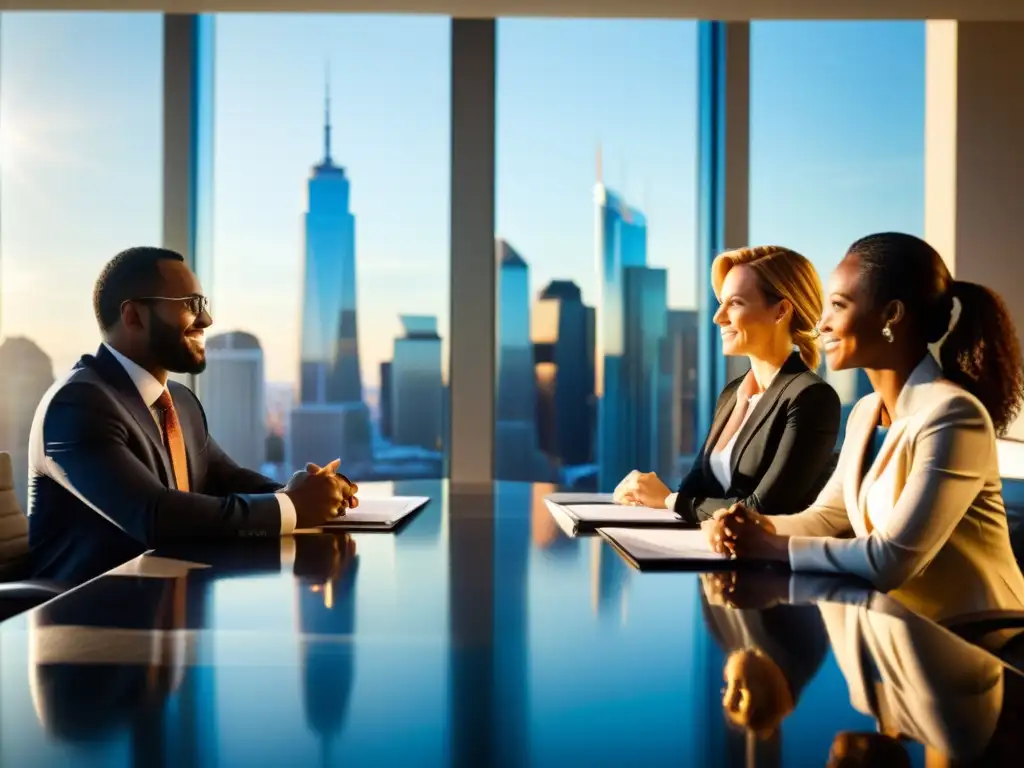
(517,452)
(416,396)
(620,244)
(564,365)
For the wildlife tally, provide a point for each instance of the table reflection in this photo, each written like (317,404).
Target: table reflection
(481,634)
(107,668)
(770,656)
(90,680)
(915,680)
(325,571)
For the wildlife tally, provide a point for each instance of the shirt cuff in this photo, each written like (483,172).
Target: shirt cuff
(806,554)
(287,507)
(287,551)
(670,501)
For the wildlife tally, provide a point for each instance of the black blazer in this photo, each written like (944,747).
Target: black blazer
(100,477)
(783,455)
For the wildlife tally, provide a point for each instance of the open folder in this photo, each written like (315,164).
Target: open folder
(649,549)
(581,498)
(586,518)
(378,514)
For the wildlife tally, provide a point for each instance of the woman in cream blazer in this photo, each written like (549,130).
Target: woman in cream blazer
(914,506)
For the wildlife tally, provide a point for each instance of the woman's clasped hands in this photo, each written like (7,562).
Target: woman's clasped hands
(739,532)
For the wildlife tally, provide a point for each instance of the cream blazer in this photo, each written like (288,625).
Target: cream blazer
(926,520)
(915,679)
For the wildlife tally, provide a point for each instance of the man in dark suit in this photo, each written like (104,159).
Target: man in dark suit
(120,458)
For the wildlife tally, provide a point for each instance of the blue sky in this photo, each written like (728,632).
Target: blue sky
(836,151)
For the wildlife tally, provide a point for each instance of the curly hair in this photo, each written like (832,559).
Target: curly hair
(782,274)
(980,352)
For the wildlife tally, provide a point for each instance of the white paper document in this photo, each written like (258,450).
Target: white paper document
(596,513)
(662,544)
(381,512)
(580,498)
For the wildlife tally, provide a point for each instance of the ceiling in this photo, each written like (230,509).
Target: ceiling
(974,10)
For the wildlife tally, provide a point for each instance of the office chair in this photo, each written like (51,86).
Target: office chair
(978,627)
(17,592)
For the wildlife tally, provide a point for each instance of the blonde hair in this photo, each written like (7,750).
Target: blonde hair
(782,274)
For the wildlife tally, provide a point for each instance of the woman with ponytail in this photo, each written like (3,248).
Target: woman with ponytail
(915,503)
(774,432)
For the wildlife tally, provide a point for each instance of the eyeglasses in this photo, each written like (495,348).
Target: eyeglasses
(196,303)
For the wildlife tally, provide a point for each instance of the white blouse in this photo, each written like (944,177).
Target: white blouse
(721,461)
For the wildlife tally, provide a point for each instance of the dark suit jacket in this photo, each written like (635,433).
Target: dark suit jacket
(783,455)
(101,489)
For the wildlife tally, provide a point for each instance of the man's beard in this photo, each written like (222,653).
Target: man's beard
(170,349)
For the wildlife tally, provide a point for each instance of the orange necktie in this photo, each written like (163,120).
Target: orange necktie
(175,440)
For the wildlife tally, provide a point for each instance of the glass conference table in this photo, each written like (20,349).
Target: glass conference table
(480,635)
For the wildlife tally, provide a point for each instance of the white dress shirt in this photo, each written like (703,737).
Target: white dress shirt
(150,390)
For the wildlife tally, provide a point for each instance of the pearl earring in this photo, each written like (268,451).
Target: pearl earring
(887,333)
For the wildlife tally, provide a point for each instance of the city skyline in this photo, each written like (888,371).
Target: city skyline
(831,159)
(836,155)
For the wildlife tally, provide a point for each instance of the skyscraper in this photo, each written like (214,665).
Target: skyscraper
(565,379)
(680,368)
(384,404)
(25,374)
(232,391)
(643,442)
(517,454)
(620,242)
(417,390)
(331,420)
(330,347)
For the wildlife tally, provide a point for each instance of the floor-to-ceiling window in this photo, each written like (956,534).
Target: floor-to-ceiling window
(80,179)
(595,302)
(595,247)
(836,140)
(330,244)
(329,287)
(836,152)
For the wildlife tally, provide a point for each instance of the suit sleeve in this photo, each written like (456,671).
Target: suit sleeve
(86,452)
(946,474)
(224,476)
(827,515)
(802,455)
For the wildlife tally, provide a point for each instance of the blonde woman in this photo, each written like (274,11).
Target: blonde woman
(774,431)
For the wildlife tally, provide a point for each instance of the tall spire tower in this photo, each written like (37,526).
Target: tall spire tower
(331,418)
(329,336)
(327,114)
